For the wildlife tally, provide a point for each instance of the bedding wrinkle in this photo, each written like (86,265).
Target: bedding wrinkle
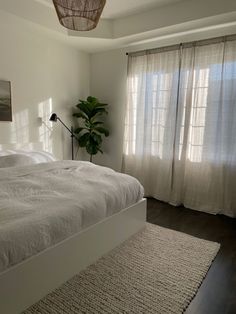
(43,204)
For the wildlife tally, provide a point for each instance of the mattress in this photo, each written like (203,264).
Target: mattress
(43,204)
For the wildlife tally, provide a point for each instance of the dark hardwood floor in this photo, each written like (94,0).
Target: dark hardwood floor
(217,294)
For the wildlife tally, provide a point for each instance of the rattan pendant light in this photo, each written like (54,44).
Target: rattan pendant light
(79,15)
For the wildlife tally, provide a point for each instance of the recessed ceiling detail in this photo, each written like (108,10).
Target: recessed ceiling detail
(126,23)
(115,9)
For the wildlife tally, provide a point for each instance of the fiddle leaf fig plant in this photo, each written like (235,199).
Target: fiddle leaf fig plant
(91,130)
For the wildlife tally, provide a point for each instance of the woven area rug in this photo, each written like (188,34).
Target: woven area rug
(156,271)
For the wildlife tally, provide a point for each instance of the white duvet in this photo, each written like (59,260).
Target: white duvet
(40,205)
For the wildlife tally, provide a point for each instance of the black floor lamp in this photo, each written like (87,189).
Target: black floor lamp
(55,118)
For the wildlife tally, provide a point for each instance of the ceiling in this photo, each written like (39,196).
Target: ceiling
(121,8)
(116,9)
(126,23)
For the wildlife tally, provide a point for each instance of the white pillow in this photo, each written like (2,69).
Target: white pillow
(40,156)
(15,160)
(31,157)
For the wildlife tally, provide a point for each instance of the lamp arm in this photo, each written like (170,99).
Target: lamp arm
(72,133)
(64,125)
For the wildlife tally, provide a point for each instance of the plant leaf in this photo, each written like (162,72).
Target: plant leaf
(102,105)
(91,148)
(80,115)
(84,107)
(98,111)
(96,138)
(92,99)
(83,139)
(102,130)
(78,130)
(97,122)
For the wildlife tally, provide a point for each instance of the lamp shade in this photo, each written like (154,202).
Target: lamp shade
(79,15)
(53,117)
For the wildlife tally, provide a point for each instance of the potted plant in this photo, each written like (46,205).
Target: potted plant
(91,131)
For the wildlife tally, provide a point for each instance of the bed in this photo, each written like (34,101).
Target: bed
(56,218)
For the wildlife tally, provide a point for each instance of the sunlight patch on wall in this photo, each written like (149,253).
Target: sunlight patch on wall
(45,129)
(20,127)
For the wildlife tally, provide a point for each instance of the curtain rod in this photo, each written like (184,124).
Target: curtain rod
(201,42)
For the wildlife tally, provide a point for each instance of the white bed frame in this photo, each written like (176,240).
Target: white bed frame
(26,283)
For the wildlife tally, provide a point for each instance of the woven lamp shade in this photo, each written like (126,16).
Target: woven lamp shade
(79,15)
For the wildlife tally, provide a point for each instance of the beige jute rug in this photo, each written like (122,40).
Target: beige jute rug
(155,271)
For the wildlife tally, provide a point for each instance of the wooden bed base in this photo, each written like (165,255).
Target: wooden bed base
(26,283)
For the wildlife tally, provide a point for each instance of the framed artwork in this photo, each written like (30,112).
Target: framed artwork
(5,101)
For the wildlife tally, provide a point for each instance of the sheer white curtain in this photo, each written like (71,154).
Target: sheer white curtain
(180,132)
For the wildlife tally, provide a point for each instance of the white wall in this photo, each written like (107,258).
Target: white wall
(108,83)
(46,76)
